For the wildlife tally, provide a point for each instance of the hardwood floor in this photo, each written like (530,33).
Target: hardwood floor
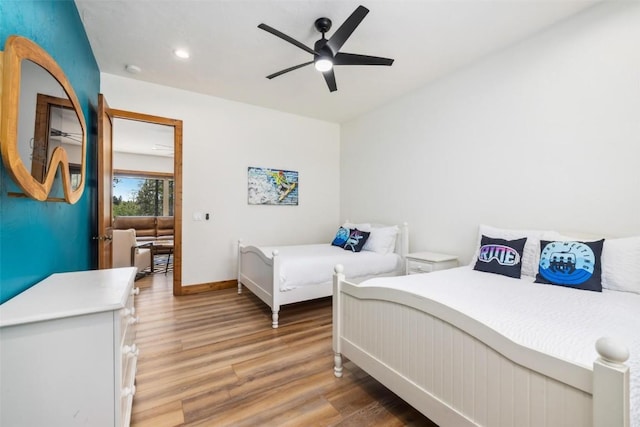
(212,359)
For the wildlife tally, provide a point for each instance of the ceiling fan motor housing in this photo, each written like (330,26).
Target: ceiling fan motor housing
(322,49)
(323,25)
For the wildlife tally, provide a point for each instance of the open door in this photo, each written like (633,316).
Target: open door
(105,182)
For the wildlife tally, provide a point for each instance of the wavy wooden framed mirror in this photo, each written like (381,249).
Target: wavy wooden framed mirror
(42,126)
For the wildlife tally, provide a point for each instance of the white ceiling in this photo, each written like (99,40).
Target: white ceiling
(230,56)
(135,137)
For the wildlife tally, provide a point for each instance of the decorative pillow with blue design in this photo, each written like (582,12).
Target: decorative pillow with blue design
(500,256)
(356,240)
(572,264)
(341,237)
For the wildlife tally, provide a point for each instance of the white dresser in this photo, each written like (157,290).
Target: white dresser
(67,352)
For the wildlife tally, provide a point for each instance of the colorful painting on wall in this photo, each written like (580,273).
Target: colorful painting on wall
(272,187)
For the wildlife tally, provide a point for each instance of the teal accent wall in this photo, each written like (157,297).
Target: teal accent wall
(41,238)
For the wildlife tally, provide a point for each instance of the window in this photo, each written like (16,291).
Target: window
(140,195)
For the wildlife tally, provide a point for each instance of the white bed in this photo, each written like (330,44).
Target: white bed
(484,349)
(280,275)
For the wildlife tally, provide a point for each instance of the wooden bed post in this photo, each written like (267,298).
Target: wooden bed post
(275,289)
(611,400)
(239,265)
(338,277)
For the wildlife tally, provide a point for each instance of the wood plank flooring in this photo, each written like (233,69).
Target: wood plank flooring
(212,359)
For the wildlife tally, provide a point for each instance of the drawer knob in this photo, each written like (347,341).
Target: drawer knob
(135,291)
(133,320)
(129,391)
(131,350)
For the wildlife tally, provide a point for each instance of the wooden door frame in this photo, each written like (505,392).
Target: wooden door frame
(177,185)
(105,199)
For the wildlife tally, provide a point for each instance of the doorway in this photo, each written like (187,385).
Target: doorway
(150,148)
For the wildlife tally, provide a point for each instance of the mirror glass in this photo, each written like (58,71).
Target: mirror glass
(47,121)
(42,127)
(65,131)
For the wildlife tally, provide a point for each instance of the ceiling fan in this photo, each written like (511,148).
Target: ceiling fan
(73,136)
(326,53)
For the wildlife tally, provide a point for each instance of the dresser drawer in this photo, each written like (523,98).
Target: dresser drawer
(427,262)
(128,357)
(127,391)
(417,267)
(128,318)
(128,349)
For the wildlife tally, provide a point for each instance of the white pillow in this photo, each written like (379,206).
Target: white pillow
(621,264)
(531,253)
(382,240)
(365,226)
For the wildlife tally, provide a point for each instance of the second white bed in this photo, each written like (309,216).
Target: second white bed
(280,275)
(304,265)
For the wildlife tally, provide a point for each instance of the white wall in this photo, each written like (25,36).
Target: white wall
(544,134)
(141,162)
(221,140)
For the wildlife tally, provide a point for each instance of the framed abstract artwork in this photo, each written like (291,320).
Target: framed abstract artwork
(272,187)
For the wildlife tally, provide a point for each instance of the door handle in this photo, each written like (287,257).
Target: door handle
(102,238)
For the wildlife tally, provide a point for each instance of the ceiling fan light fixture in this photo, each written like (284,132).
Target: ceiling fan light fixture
(323,64)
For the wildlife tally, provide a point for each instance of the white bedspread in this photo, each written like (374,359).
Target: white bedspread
(303,265)
(559,321)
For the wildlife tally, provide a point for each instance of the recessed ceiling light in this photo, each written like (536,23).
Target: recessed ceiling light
(181,53)
(133,69)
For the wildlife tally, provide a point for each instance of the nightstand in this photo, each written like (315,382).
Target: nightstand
(426,262)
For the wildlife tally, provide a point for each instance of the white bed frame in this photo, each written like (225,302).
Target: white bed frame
(459,372)
(260,274)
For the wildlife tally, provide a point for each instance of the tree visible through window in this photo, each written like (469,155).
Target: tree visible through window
(142,196)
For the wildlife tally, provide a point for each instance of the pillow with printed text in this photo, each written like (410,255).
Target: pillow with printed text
(531,248)
(572,264)
(500,256)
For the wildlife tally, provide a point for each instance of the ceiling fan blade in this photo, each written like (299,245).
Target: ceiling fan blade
(295,67)
(355,59)
(286,38)
(342,34)
(330,78)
